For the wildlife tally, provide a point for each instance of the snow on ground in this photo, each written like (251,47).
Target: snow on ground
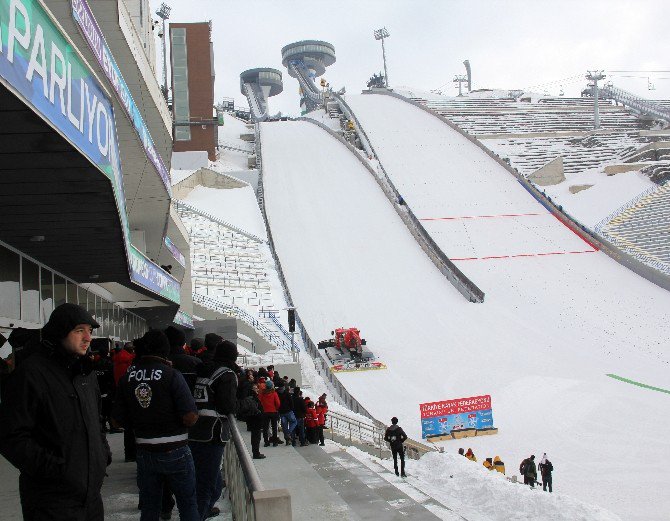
(237,206)
(541,344)
(321,116)
(478,494)
(606,195)
(233,152)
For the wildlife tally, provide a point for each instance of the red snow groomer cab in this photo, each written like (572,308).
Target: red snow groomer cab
(348,340)
(346,352)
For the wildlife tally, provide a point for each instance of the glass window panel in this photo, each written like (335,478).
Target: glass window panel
(82,296)
(60,292)
(47,294)
(10,284)
(30,292)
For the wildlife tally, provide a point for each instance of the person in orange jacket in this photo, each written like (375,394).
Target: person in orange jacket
(499,465)
(321,409)
(311,421)
(270,402)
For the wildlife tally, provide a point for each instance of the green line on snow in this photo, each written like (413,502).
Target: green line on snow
(633,382)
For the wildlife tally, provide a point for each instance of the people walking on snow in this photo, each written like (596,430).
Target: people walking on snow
(461,451)
(546,468)
(470,455)
(50,423)
(529,471)
(499,465)
(396,437)
(488,463)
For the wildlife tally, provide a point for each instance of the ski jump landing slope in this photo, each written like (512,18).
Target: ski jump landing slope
(550,330)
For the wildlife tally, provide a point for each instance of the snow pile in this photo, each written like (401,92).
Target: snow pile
(237,206)
(478,494)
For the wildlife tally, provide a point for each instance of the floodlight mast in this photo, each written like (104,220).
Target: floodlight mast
(163,13)
(594,76)
(381,34)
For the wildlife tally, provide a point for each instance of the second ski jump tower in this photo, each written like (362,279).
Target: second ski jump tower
(305,61)
(258,85)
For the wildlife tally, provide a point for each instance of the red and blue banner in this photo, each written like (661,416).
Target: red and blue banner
(440,418)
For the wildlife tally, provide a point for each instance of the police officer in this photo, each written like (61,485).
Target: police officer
(155,402)
(216,397)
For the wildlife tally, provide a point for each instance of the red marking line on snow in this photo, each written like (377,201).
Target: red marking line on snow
(481,216)
(521,255)
(595,248)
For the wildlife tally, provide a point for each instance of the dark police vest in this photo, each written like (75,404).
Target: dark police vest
(156,422)
(211,425)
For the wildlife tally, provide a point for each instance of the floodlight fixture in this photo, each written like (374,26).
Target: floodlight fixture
(164,11)
(381,34)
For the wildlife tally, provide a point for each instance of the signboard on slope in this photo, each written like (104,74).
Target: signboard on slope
(441,418)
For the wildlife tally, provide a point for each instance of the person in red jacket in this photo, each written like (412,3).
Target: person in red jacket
(321,409)
(122,361)
(270,402)
(311,421)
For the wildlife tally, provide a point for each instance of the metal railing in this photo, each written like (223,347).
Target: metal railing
(368,436)
(638,104)
(249,499)
(265,332)
(258,110)
(181,205)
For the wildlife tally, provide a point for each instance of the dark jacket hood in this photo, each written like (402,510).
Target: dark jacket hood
(64,319)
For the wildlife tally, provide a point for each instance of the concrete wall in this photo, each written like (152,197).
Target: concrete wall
(190,160)
(228,327)
(208,178)
(549,174)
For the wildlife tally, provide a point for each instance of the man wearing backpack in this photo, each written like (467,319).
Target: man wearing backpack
(396,437)
(529,471)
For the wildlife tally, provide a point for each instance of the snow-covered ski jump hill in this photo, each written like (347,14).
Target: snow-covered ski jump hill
(558,317)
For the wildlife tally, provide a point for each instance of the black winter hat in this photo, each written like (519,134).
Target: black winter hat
(226,350)
(64,319)
(212,340)
(154,343)
(176,336)
(197,343)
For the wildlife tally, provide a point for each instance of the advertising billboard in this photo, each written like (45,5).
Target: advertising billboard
(441,418)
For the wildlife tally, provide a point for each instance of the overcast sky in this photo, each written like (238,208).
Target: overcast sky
(527,44)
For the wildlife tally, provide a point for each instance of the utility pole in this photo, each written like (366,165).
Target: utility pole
(460,79)
(163,13)
(381,34)
(594,76)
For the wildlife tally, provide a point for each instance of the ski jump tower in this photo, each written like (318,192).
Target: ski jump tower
(305,61)
(258,85)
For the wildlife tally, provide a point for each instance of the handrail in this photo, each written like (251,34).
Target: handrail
(254,104)
(181,204)
(227,309)
(250,500)
(351,430)
(636,102)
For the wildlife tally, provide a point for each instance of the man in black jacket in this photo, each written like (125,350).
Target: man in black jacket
(154,401)
(186,364)
(395,436)
(50,423)
(216,398)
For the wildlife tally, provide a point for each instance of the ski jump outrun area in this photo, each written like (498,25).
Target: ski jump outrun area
(558,317)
